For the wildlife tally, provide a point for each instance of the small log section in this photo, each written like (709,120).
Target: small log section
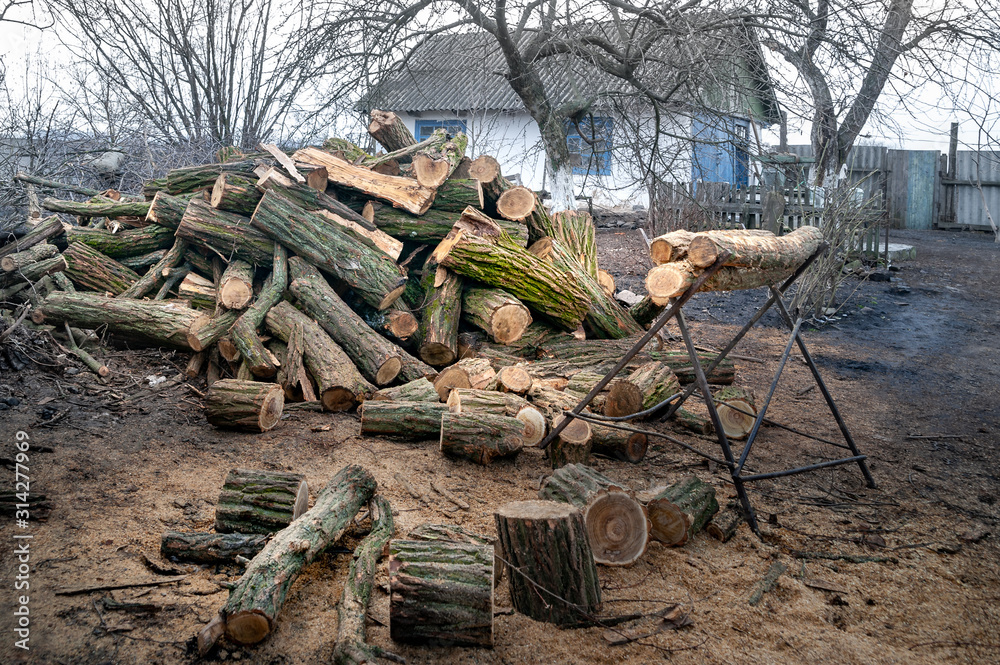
(210,547)
(550,565)
(480,437)
(681,510)
(235,289)
(573,444)
(756,251)
(442,312)
(388,129)
(417,390)
(352,612)
(441,592)
(49,227)
(502,316)
(725,523)
(672,279)
(673,246)
(656,382)
(254,501)
(243,333)
(224,233)
(737,411)
(618,444)
(251,611)
(409,420)
(31,255)
(235,193)
(465,400)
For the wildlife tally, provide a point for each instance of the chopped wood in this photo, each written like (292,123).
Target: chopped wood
(260,501)
(388,129)
(210,547)
(244,405)
(678,512)
(410,420)
(480,437)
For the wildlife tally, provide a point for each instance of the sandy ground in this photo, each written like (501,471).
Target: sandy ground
(913,368)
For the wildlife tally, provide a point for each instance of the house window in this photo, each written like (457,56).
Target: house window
(720,151)
(425,128)
(590,146)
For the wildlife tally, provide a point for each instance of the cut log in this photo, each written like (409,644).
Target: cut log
(248,406)
(234,193)
(251,611)
(411,420)
(207,332)
(352,646)
(31,255)
(618,444)
(378,359)
(671,279)
(90,269)
(50,227)
(389,130)
(226,234)
(575,484)
(214,372)
(457,194)
(725,523)
(573,444)
(210,548)
(235,288)
(673,246)
(442,311)
(340,384)
(130,242)
(550,565)
(191,178)
(645,311)
(372,274)
(502,316)
(199,291)
(624,399)
(309,198)
(254,501)
(513,379)
(35,272)
(757,251)
(166,210)
(695,422)
(450,378)
(103,207)
(481,373)
(516,203)
(243,332)
(418,390)
(441,592)
(403,193)
(551,402)
(681,510)
(154,276)
(656,382)
(466,400)
(432,167)
(607,283)
(737,411)
(480,437)
(394,322)
(195,365)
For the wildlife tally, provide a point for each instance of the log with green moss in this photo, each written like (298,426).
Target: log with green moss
(224,233)
(192,178)
(130,242)
(374,276)
(48,228)
(243,332)
(35,272)
(502,316)
(456,194)
(309,198)
(235,287)
(340,384)
(90,269)
(31,255)
(433,165)
(167,210)
(260,501)
(251,611)
(211,548)
(143,261)
(101,208)
(441,313)
(645,311)
(213,329)
(655,381)
(480,437)
(678,512)
(235,193)
(248,406)
(154,276)
(409,420)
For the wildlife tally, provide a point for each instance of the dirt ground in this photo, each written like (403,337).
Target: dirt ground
(911,363)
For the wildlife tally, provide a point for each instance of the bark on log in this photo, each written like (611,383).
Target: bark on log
(210,548)
(251,611)
(481,373)
(31,255)
(191,178)
(166,210)
(201,293)
(695,422)
(618,444)
(431,167)
(378,359)
(309,198)
(441,592)
(756,251)
(372,275)
(502,316)
(235,288)
(254,501)
(247,406)
(206,333)
(442,311)
(154,276)
(389,130)
(737,411)
(573,444)
(35,272)
(673,246)
(671,279)
(243,333)
(551,567)
(575,484)
(418,390)
(340,384)
(410,420)
(645,311)
(46,229)
(551,402)
(352,646)
(130,242)
(725,523)
(480,437)
(89,269)
(224,233)
(101,208)
(466,400)
(656,382)
(195,364)
(681,510)
(403,193)
(235,193)
(457,194)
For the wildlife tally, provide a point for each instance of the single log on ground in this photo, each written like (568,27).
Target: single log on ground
(235,193)
(378,359)
(465,400)
(618,444)
(249,406)
(411,420)
(235,289)
(725,523)
(431,167)
(130,242)
(90,269)
(226,234)
(502,316)
(551,566)
(27,257)
(671,279)
(352,612)
(441,592)
(243,333)
(645,311)
(50,227)
(737,411)
(252,609)
(389,130)
(624,398)
(573,444)
(254,501)
(480,437)
(373,275)
(154,276)
(340,384)
(418,390)
(441,314)
(103,207)
(695,422)
(552,403)
(404,193)
(210,547)
(757,251)
(575,484)
(681,510)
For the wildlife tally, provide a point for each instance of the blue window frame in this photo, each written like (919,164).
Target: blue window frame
(590,154)
(424,128)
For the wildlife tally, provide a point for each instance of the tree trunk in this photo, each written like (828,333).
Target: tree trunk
(248,406)
(340,384)
(418,390)
(252,609)
(441,592)
(501,315)
(431,167)
(573,445)
(387,128)
(166,210)
(551,567)
(372,275)
(442,312)
(224,233)
(105,208)
(737,411)
(756,251)
(235,288)
(90,269)
(352,612)
(154,276)
(255,501)
(243,332)
(480,437)
(378,359)
(210,548)
(50,227)
(234,193)
(31,255)
(411,420)
(681,510)
(618,444)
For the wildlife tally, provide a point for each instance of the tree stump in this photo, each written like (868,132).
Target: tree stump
(550,565)
(211,547)
(681,510)
(573,444)
(412,420)
(254,501)
(244,405)
(737,411)
(481,437)
(441,592)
